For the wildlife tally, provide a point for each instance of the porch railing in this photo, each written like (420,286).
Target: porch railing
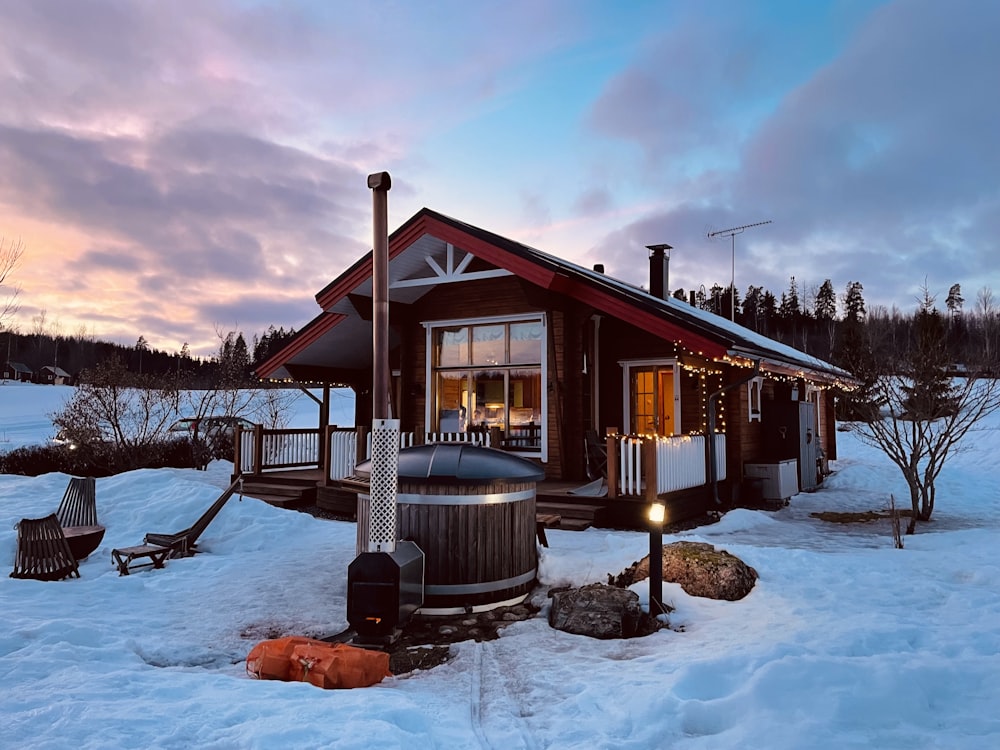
(343,442)
(651,465)
(260,450)
(642,466)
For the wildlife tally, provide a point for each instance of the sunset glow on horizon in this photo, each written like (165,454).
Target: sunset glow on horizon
(176,169)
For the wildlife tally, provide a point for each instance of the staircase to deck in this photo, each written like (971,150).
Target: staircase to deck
(282,492)
(576,512)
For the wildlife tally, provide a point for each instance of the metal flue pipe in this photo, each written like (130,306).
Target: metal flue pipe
(379,182)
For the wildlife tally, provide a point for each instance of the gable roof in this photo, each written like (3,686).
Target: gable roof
(18,367)
(428,234)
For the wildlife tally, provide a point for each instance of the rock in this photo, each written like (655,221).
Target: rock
(599,611)
(700,569)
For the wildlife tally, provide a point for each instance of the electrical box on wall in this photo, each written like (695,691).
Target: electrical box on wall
(779,480)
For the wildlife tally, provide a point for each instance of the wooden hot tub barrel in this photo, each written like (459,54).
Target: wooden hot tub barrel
(472,512)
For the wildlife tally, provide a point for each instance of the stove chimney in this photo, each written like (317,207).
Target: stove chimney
(659,275)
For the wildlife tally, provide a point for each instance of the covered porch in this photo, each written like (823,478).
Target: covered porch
(299,466)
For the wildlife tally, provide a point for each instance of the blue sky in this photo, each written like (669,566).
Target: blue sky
(177,168)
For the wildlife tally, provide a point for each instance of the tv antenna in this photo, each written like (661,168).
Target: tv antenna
(731,233)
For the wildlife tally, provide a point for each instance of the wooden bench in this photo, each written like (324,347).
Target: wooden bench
(543,521)
(125,557)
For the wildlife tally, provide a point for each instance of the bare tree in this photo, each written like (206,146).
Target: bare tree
(10,256)
(232,396)
(116,416)
(917,412)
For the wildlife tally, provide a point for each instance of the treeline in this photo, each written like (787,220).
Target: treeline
(832,326)
(76,354)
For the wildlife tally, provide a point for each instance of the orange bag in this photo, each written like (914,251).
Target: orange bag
(326,665)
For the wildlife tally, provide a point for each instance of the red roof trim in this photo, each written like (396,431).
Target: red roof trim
(526,269)
(638,317)
(416,228)
(313,331)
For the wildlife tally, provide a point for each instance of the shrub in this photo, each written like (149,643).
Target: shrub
(96,461)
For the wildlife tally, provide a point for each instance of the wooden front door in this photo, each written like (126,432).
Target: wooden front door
(652,400)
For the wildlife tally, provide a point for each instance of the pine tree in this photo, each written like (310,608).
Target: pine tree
(854,302)
(955,301)
(929,391)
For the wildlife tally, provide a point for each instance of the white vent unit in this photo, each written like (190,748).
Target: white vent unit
(779,480)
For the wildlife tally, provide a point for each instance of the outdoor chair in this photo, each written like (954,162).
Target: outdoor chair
(596,455)
(43,553)
(160,547)
(77,516)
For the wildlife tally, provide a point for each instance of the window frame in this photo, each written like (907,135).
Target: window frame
(430,371)
(660,364)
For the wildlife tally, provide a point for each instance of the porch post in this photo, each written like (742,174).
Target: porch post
(649,460)
(258,448)
(612,447)
(324,435)
(237,457)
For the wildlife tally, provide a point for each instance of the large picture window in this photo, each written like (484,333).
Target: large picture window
(486,374)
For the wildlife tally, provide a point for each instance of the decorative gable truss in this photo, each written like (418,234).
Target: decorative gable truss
(451,273)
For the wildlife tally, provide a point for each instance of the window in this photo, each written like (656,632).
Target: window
(488,373)
(652,400)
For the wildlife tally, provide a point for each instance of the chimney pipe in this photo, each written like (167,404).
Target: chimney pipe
(380,183)
(659,260)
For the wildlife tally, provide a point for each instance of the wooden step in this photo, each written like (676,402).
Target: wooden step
(337,501)
(281,501)
(583,511)
(277,489)
(573,524)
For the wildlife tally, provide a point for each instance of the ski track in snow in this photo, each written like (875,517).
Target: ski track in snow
(496,715)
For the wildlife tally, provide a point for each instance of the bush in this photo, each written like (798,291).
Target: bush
(96,461)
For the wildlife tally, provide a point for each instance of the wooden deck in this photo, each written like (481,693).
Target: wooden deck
(302,488)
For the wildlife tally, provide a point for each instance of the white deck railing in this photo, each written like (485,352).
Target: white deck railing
(269,450)
(680,462)
(344,446)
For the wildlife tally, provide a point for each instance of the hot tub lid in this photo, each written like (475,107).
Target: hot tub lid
(461,462)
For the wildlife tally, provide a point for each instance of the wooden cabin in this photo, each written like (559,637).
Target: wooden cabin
(54,375)
(17,371)
(495,341)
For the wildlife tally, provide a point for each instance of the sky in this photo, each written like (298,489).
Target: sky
(178,169)
(844,642)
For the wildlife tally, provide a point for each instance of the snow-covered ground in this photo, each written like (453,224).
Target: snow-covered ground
(845,642)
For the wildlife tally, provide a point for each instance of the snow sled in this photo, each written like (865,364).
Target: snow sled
(325,665)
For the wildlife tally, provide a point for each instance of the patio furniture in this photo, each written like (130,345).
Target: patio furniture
(77,515)
(596,455)
(183,543)
(43,553)
(124,557)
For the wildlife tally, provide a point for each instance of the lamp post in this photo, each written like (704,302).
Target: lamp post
(657,512)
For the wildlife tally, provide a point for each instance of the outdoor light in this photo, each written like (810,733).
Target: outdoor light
(657,512)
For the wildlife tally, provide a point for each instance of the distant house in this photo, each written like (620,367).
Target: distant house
(17,371)
(53,375)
